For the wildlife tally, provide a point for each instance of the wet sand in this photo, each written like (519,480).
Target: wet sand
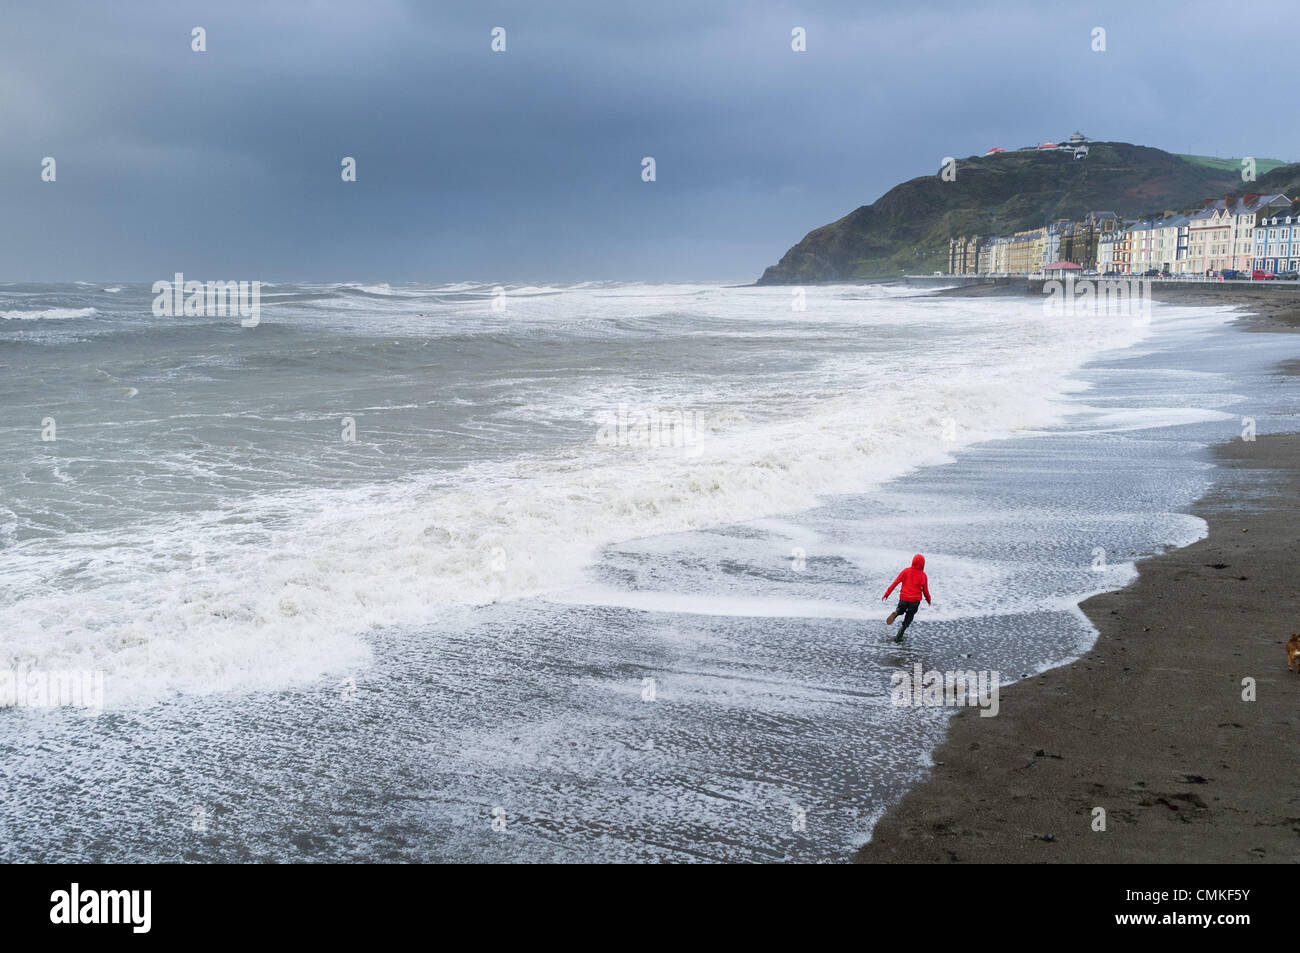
(1151,724)
(1271,306)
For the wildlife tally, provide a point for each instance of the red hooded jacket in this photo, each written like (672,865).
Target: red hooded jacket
(915,583)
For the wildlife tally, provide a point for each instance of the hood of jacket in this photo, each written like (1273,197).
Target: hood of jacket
(918,561)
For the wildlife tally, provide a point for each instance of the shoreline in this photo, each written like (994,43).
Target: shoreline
(1266,308)
(1150,723)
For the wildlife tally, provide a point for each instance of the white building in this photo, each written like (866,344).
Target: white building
(1277,243)
(1106,251)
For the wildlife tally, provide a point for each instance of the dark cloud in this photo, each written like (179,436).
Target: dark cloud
(525,166)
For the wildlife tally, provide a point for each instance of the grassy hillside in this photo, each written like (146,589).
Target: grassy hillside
(1285,179)
(1232,165)
(907,229)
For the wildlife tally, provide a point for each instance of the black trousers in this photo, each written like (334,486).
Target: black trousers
(908,611)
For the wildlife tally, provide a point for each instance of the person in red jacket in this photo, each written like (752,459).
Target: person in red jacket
(915,585)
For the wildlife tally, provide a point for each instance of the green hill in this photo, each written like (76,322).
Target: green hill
(1285,179)
(907,229)
(1233,165)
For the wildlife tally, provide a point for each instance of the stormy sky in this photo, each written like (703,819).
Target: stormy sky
(525,166)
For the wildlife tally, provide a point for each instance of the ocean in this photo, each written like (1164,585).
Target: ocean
(566,573)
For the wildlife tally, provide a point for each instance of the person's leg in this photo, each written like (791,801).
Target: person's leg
(904,608)
(898,610)
(907,618)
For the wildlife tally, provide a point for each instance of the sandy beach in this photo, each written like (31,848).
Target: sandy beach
(1150,725)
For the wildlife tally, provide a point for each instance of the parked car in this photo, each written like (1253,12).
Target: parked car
(1262,275)
(1289,275)
(1151,273)
(1228,274)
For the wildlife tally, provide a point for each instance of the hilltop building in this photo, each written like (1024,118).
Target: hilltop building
(1076,144)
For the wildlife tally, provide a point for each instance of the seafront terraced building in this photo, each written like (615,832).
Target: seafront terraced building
(1032,250)
(1155,244)
(1025,252)
(1079,240)
(1106,246)
(1277,242)
(1221,235)
(963,255)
